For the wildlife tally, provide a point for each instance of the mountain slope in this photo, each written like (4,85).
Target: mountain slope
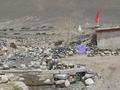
(82,10)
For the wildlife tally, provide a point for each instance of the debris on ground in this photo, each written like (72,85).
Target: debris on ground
(103,52)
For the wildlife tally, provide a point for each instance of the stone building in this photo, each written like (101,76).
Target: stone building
(108,38)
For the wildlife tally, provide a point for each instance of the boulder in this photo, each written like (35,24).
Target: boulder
(58,82)
(6,67)
(43,67)
(70,53)
(44,63)
(47,81)
(71,65)
(67,83)
(89,75)
(10,76)
(64,83)
(21,79)
(61,76)
(3,79)
(21,85)
(72,79)
(23,66)
(89,81)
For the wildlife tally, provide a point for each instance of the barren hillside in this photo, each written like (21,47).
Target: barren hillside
(82,10)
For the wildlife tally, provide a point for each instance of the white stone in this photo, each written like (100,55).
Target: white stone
(4,48)
(4,79)
(89,75)
(49,58)
(61,76)
(44,63)
(47,81)
(67,83)
(21,79)
(5,66)
(43,67)
(23,66)
(89,81)
(70,53)
(59,82)
(10,76)
(21,85)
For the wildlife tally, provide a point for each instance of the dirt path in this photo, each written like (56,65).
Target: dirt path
(106,67)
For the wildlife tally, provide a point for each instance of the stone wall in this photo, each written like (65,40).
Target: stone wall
(108,40)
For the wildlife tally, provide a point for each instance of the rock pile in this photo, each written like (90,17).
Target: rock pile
(33,58)
(62,76)
(65,79)
(103,52)
(12,82)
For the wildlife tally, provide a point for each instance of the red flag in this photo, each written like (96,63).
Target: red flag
(97,18)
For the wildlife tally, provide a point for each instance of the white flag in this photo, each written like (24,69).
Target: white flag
(80,28)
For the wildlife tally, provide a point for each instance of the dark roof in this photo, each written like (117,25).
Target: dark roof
(109,29)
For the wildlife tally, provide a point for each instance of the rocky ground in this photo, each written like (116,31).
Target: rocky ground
(44,49)
(24,55)
(41,36)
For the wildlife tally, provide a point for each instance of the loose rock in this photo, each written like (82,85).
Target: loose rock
(3,79)
(21,85)
(89,81)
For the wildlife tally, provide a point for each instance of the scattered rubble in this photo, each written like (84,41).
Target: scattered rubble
(33,58)
(103,52)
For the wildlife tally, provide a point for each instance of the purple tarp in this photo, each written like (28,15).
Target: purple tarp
(81,48)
